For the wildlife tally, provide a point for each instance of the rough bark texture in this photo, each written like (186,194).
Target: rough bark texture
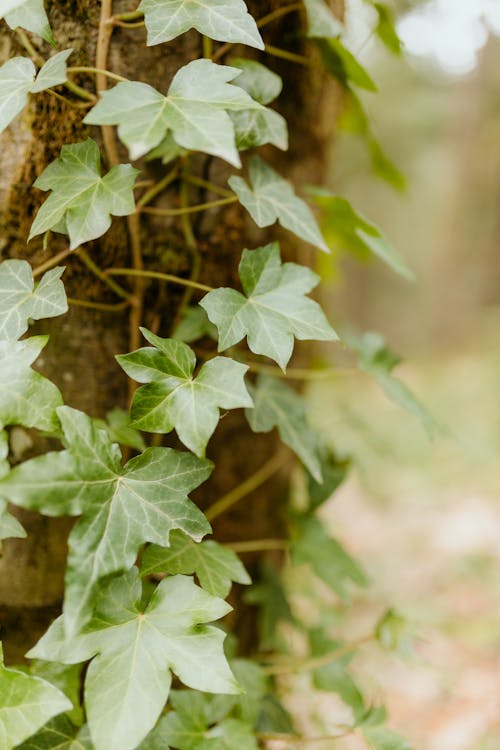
(79,357)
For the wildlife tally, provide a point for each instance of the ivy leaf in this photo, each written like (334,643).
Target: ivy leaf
(9,525)
(174,398)
(128,681)
(386,30)
(380,738)
(59,734)
(121,507)
(223,20)
(351,231)
(228,735)
(26,397)
(329,560)
(270,597)
(277,405)
(26,704)
(333,471)
(194,110)
(20,300)
(29,15)
(82,202)
(53,73)
(271,198)
(321,22)
(274,310)
(167,151)
(118,427)
(258,81)
(17,80)
(194,325)
(215,566)
(342,64)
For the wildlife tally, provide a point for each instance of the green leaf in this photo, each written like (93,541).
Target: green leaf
(228,735)
(59,734)
(21,300)
(352,232)
(215,565)
(255,685)
(53,73)
(194,110)
(167,151)
(277,405)
(342,64)
(26,397)
(194,325)
(128,681)
(392,632)
(380,738)
(173,398)
(333,471)
(26,704)
(274,310)
(378,361)
(121,507)
(29,15)
(67,679)
(270,198)
(334,677)
(258,127)
(321,22)
(223,20)
(386,30)
(270,597)
(315,547)
(118,426)
(82,202)
(16,81)
(384,167)
(9,525)
(274,718)
(258,81)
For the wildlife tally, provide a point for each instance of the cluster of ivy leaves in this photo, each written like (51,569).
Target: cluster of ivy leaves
(134,635)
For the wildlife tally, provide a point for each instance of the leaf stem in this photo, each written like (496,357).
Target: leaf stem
(190,209)
(104,34)
(258,545)
(297,373)
(28,46)
(94,268)
(286,55)
(51,262)
(275,14)
(207,47)
(158,187)
(97,70)
(123,25)
(200,182)
(131,16)
(249,485)
(98,305)
(157,275)
(307,665)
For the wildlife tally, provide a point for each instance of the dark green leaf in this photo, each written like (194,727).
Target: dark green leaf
(59,734)
(274,310)
(333,472)
(67,679)
(194,325)
(342,64)
(121,507)
(118,425)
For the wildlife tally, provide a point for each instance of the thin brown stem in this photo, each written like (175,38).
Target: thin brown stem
(98,305)
(94,268)
(103,41)
(258,545)
(98,71)
(51,262)
(249,485)
(308,665)
(131,16)
(158,275)
(278,13)
(158,188)
(286,55)
(190,209)
(30,49)
(200,182)
(222,51)
(69,102)
(123,25)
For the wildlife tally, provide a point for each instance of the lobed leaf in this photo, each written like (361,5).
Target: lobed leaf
(59,734)
(121,508)
(135,650)
(277,405)
(223,20)
(29,15)
(270,198)
(214,565)
(82,202)
(195,110)
(21,300)
(173,398)
(26,704)
(273,309)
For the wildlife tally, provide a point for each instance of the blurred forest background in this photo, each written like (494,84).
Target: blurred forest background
(423,515)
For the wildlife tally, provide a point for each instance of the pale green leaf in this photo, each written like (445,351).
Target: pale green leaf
(4,452)
(215,566)
(353,232)
(223,20)
(9,526)
(194,110)
(29,15)
(194,325)
(334,677)
(321,21)
(270,198)
(59,734)
(258,127)
(277,405)
(173,398)
(81,200)
(26,397)
(121,507)
(228,735)
(21,300)
(128,681)
(118,426)
(16,81)
(274,310)
(258,81)
(67,679)
(26,704)
(380,738)
(53,73)
(328,559)
(255,685)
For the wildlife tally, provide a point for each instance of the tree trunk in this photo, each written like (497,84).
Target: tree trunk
(80,354)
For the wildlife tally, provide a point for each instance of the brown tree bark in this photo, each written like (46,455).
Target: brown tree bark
(80,354)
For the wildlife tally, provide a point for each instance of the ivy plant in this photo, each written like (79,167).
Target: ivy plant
(145,588)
